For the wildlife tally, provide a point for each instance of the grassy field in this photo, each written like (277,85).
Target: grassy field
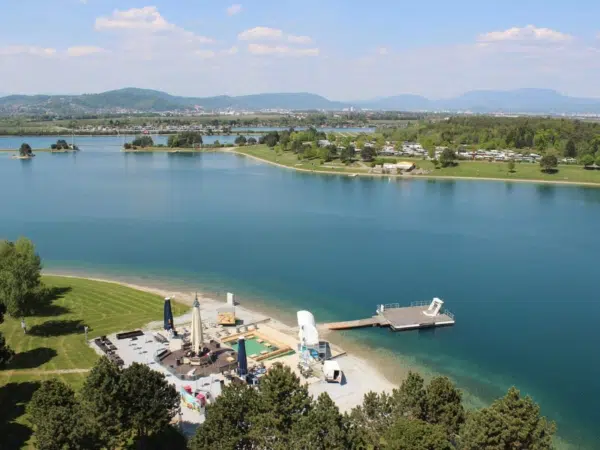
(55,341)
(470,169)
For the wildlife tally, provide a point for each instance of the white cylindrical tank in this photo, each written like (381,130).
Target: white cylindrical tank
(307,327)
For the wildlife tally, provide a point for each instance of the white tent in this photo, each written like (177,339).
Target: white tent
(308,334)
(197,338)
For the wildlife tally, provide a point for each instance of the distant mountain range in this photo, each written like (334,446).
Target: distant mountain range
(542,101)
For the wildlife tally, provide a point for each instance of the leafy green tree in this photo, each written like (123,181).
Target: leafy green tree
(102,398)
(323,428)
(185,139)
(587,160)
(62,144)
(6,353)
(251,140)
(371,420)
(228,420)
(325,154)
(407,434)
(511,422)
(570,149)
(347,154)
(548,163)
(240,140)
(368,153)
(598,159)
(448,157)
(25,150)
(57,419)
(444,405)
(282,401)
(150,402)
(333,150)
(143,141)
(20,277)
(410,399)
(511,165)
(270,139)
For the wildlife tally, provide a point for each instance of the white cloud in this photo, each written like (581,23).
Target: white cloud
(260,33)
(382,51)
(84,50)
(83,1)
(205,53)
(234,9)
(146,18)
(260,49)
(299,39)
(529,33)
(231,51)
(12,50)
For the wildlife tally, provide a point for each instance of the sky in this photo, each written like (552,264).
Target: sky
(341,49)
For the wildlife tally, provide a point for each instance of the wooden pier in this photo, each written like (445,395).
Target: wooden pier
(399,318)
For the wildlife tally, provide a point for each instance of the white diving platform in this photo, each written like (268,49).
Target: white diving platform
(402,318)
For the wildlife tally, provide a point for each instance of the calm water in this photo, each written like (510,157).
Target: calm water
(516,263)
(325,129)
(95,143)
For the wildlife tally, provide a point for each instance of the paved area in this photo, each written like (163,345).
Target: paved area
(142,351)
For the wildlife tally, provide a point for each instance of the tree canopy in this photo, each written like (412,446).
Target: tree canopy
(548,163)
(115,408)
(185,139)
(6,353)
(25,150)
(57,419)
(143,141)
(511,422)
(20,277)
(572,138)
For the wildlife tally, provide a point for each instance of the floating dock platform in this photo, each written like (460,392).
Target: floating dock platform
(402,318)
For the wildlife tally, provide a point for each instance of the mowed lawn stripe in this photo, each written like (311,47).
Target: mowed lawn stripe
(56,341)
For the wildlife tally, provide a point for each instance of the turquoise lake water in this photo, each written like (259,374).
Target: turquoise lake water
(516,263)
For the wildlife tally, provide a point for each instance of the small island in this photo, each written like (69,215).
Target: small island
(186,141)
(62,146)
(25,152)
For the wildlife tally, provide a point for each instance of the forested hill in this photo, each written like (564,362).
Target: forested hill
(146,100)
(538,101)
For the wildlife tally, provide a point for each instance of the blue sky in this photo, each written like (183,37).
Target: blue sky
(341,49)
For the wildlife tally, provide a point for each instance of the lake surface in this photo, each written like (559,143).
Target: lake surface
(96,143)
(516,263)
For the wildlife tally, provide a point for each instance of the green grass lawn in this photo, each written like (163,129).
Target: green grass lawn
(55,340)
(474,169)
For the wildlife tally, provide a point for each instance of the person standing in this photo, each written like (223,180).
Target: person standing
(23,326)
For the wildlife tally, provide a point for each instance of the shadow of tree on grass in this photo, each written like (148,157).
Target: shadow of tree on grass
(46,306)
(31,358)
(53,328)
(13,398)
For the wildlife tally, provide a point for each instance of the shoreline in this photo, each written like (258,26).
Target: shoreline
(379,375)
(378,370)
(413,177)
